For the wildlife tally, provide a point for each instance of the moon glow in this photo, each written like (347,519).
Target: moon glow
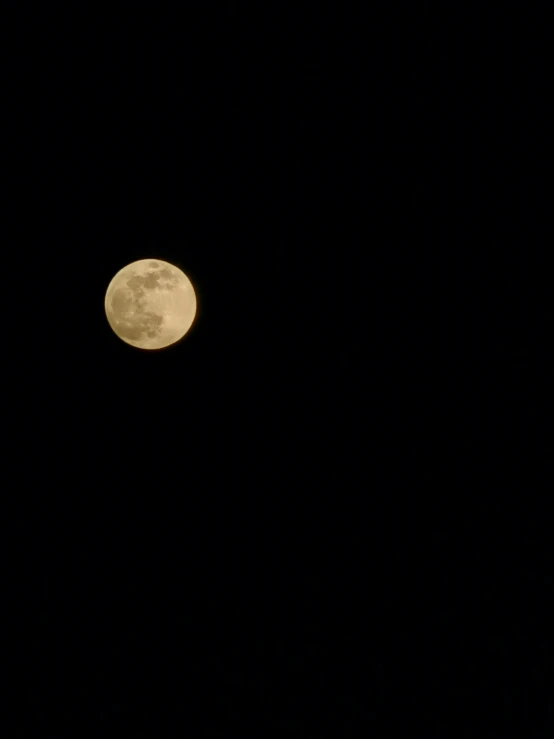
(150,304)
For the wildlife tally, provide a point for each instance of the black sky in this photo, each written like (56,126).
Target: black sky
(325,507)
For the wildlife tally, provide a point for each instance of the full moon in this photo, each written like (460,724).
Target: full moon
(150,304)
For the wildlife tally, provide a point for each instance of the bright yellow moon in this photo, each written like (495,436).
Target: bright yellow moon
(150,304)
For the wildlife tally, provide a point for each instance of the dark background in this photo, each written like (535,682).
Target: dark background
(328,506)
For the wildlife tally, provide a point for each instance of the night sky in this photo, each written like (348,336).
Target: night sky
(327,507)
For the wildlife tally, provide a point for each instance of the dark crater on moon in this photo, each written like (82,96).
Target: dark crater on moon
(142,322)
(135,282)
(162,278)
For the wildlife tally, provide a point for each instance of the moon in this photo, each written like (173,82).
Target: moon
(150,304)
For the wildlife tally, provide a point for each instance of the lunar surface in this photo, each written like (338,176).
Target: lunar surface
(150,304)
